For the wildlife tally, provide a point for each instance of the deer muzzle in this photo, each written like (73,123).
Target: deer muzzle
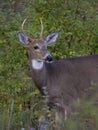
(49,58)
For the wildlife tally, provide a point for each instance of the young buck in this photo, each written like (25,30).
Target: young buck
(65,80)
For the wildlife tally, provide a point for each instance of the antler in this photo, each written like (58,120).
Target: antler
(23,24)
(41,33)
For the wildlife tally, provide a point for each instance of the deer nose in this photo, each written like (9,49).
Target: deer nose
(49,58)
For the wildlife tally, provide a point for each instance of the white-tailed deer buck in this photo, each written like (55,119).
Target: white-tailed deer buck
(65,80)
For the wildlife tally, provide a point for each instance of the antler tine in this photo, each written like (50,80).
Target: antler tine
(41,33)
(23,24)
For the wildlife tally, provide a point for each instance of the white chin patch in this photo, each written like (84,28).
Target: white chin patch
(37,64)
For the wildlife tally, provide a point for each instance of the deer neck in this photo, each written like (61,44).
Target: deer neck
(39,75)
(37,65)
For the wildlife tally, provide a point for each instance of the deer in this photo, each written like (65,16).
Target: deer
(66,80)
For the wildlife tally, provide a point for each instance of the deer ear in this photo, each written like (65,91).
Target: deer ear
(23,38)
(50,39)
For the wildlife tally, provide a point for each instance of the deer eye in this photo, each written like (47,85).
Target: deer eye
(36,47)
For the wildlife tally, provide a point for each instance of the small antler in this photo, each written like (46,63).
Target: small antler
(23,24)
(41,33)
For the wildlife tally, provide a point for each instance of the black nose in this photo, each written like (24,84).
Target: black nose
(49,58)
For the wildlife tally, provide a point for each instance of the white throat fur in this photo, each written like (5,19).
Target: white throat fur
(37,64)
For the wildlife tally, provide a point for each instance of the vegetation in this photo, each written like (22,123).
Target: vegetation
(76,21)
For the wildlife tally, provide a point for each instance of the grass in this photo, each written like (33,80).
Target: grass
(83,117)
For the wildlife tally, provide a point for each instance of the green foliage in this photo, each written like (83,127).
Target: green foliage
(84,117)
(77,24)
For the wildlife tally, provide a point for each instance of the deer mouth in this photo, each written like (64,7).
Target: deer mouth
(47,59)
(40,60)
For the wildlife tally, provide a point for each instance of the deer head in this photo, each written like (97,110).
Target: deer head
(38,47)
